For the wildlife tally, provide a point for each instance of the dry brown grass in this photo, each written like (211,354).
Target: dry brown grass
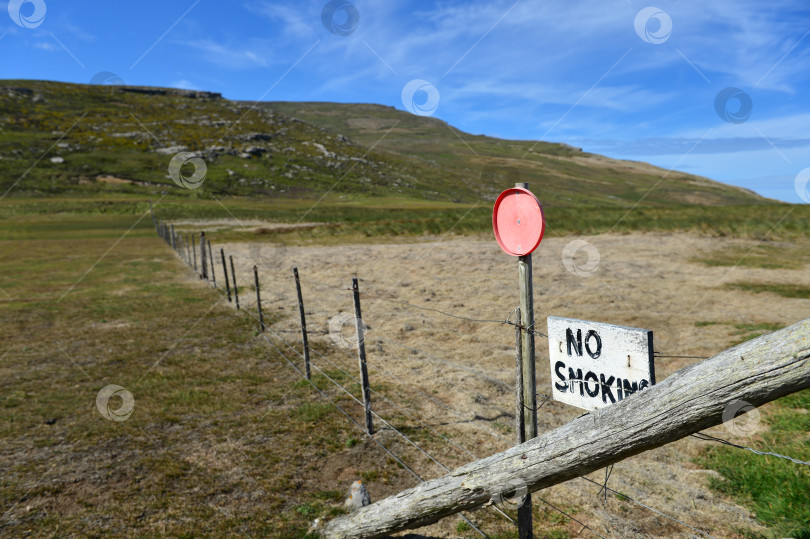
(226,439)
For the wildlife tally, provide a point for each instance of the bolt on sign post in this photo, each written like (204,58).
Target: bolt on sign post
(519,225)
(594,365)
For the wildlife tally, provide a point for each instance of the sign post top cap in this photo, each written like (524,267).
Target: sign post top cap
(518,221)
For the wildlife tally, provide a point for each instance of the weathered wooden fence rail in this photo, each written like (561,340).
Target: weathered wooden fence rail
(690,400)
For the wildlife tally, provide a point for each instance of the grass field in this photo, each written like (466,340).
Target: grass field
(776,489)
(226,439)
(352,217)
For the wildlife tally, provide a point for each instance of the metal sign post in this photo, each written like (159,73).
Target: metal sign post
(519,224)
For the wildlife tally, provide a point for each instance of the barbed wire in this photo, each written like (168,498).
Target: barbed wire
(457,365)
(700,436)
(399,460)
(657,355)
(445,361)
(439,402)
(389,452)
(505,321)
(394,405)
(709,438)
(388,424)
(470,453)
(584,526)
(366,295)
(622,495)
(397,431)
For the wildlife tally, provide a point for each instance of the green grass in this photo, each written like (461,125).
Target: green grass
(767,255)
(366,219)
(746,332)
(784,290)
(225,438)
(776,490)
(559,174)
(743,331)
(103,131)
(313,412)
(207,448)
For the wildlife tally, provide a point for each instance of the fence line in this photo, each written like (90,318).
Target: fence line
(180,249)
(506,321)
(394,429)
(447,362)
(388,424)
(470,453)
(393,405)
(399,460)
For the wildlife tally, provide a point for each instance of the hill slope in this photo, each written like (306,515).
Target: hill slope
(563,174)
(58,137)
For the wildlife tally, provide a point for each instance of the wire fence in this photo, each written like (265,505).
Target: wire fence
(185,247)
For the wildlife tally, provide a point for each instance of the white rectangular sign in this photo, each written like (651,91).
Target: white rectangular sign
(594,365)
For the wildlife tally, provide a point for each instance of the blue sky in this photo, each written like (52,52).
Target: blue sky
(629,79)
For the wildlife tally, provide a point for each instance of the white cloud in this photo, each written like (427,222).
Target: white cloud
(231,57)
(183,84)
(46,46)
(295,21)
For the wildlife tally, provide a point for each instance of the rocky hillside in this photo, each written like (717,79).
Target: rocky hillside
(560,174)
(57,138)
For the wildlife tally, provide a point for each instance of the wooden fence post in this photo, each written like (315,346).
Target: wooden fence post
(525,508)
(225,272)
(303,323)
(233,278)
(688,401)
(194,250)
(519,431)
(258,298)
(203,256)
(361,355)
(527,344)
(526,325)
(211,257)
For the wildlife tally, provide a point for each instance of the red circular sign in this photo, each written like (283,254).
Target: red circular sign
(518,221)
